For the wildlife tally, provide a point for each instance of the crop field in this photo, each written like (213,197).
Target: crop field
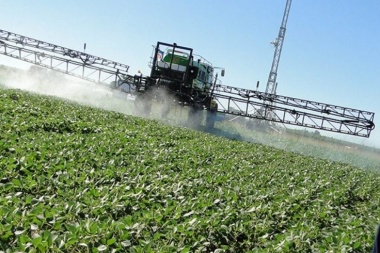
(78,179)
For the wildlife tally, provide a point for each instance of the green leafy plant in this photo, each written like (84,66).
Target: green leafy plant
(78,179)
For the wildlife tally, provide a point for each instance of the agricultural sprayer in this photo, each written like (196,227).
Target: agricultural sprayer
(181,77)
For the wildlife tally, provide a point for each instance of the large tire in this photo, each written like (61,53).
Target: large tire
(195,117)
(143,105)
(165,109)
(210,119)
(211,113)
(163,99)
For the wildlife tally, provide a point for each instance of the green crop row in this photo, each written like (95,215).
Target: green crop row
(78,179)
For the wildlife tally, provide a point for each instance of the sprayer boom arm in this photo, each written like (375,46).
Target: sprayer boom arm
(293,111)
(72,62)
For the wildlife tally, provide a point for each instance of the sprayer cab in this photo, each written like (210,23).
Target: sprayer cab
(189,77)
(173,63)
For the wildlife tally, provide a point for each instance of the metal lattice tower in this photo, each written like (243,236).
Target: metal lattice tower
(278,42)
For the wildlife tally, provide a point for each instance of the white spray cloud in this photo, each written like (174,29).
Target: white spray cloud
(47,82)
(55,84)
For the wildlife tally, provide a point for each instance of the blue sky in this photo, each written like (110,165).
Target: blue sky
(330,52)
